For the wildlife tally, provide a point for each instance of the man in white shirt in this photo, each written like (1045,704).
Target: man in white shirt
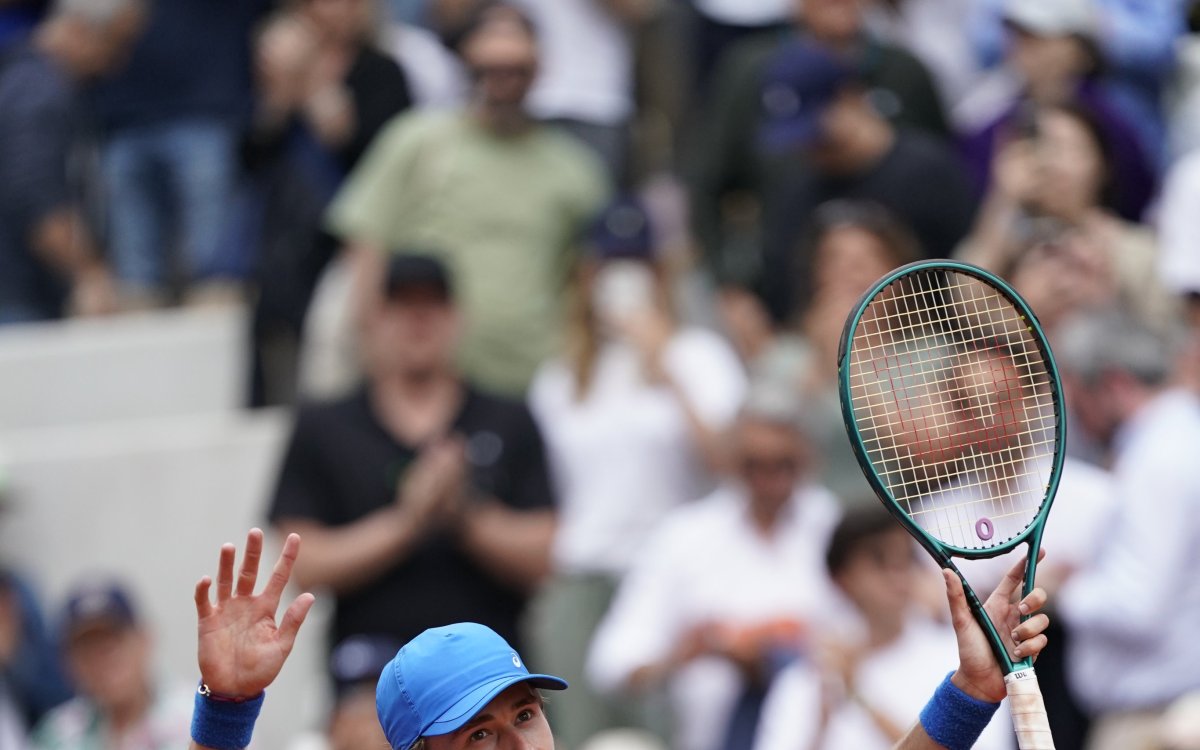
(1135,608)
(726,588)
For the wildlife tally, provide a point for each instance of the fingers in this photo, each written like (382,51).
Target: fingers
(249,572)
(1014,578)
(225,573)
(203,603)
(283,570)
(1033,602)
(293,618)
(1032,627)
(1031,647)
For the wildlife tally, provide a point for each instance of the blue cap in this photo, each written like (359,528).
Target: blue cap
(800,80)
(439,680)
(623,230)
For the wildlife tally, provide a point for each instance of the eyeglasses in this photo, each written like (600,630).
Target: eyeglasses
(518,71)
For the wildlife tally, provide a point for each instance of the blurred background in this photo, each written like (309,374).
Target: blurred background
(527,313)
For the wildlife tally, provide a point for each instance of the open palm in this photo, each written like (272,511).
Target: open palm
(241,649)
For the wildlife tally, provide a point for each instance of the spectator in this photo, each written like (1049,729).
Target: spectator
(324,91)
(586,78)
(867,682)
(1134,608)
(819,110)
(726,589)
(18,18)
(355,666)
(1053,59)
(720,24)
(852,244)
(637,391)
(170,125)
(737,175)
(109,655)
(31,679)
(418,487)
(1053,195)
(501,198)
(49,259)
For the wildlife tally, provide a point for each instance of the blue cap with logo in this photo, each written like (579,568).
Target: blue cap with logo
(442,678)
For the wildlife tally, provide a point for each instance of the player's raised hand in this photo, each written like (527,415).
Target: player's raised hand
(978,673)
(241,649)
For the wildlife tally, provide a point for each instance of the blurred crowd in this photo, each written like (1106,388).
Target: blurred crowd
(556,288)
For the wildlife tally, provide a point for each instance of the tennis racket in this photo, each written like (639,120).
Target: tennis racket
(952,403)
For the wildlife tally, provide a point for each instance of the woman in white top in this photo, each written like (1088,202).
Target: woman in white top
(631,416)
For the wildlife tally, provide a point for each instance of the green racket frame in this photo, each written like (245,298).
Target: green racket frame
(941,552)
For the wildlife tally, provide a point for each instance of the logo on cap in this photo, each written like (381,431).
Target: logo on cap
(516,660)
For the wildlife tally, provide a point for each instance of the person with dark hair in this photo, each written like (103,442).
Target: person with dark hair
(1053,59)
(870,677)
(501,198)
(354,667)
(1049,222)
(422,499)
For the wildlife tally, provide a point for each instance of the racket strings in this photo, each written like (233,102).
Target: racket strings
(953,402)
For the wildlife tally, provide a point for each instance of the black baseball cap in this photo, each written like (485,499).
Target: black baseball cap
(414,270)
(623,231)
(802,78)
(358,660)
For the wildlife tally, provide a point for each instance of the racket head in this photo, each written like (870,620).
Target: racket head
(952,403)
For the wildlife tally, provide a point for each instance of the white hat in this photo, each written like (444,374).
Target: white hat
(1052,17)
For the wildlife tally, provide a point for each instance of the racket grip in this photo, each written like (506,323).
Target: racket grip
(1028,711)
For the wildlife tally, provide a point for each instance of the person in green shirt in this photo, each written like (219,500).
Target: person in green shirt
(498,196)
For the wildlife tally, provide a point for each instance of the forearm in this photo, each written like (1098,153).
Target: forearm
(916,739)
(706,440)
(344,558)
(514,545)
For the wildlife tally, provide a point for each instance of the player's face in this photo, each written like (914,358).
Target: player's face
(514,720)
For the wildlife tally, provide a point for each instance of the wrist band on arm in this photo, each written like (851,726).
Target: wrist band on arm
(954,719)
(224,723)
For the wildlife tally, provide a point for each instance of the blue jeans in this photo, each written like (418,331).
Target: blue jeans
(170,184)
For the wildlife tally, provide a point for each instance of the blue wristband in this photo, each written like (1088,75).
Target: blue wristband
(224,724)
(954,719)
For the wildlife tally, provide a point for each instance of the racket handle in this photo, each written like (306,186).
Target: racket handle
(1028,711)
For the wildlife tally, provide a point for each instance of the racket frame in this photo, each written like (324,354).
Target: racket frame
(941,551)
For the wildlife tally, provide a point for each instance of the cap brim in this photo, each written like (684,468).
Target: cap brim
(797,132)
(473,702)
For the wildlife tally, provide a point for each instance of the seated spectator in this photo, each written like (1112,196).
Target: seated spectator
(1051,208)
(1133,608)
(867,682)
(500,197)
(633,416)
(851,245)
(1053,59)
(170,123)
(324,91)
(50,261)
(727,589)
(109,655)
(418,487)
(818,109)
(31,680)
(355,666)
